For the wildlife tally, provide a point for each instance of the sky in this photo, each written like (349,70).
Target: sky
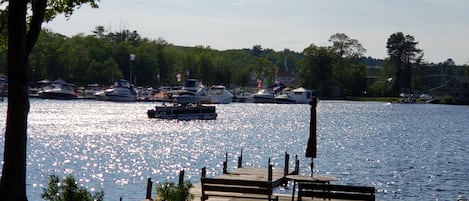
(441,27)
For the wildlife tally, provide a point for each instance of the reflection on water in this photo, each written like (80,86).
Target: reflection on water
(406,151)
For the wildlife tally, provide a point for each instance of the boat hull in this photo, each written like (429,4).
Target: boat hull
(183,112)
(57,95)
(115,98)
(263,99)
(286,101)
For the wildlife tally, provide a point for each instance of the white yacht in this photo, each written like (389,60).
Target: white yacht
(263,96)
(90,91)
(191,92)
(58,89)
(122,91)
(295,96)
(217,94)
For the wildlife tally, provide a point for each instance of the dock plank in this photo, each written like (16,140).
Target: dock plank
(196,193)
(248,174)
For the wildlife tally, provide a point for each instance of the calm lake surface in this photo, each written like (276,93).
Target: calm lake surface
(406,151)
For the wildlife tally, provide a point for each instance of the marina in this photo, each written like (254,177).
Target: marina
(115,147)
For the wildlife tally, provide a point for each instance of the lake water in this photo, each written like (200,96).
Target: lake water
(406,151)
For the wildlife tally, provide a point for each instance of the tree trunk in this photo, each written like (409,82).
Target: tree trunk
(13,180)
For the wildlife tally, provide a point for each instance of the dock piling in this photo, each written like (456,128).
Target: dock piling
(287,164)
(181,178)
(225,164)
(149,187)
(240,159)
(297,165)
(204,172)
(269,176)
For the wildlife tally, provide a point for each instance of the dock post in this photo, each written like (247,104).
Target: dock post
(297,165)
(149,187)
(225,164)
(240,159)
(204,172)
(269,176)
(181,178)
(312,166)
(287,164)
(311,147)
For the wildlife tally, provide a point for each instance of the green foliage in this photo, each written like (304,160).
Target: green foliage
(168,191)
(379,88)
(335,70)
(404,56)
(67,189)
(446,99)
(346,47)
(103,57)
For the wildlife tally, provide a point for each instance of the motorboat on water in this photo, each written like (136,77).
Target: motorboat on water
(58,89)
(241,95)
(90,91)
(122,91)
(263,96)
(186,104)
(191,92)
(296,96)
(217,94)
(191,111)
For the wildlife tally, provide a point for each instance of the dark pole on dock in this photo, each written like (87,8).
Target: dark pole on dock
(240,159)
(225,164)
(149,187)
(311,148)
(181,178)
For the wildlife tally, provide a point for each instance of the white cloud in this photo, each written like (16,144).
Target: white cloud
(236,4)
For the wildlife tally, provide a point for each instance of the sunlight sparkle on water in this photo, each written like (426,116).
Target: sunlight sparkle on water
(115,147)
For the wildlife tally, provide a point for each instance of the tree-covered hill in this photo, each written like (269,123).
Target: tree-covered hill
(341,69)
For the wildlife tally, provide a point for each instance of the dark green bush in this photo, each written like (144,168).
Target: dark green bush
(168,191)
(67,189)
(446,99)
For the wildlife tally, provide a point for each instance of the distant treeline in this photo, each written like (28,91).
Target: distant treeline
(103,57)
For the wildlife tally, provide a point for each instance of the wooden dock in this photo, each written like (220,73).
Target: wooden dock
(196,193)
(251,183)
(245,182)
(245,174)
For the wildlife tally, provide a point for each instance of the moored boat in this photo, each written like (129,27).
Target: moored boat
(58,89)
(296,96)
(241,95)
(90,91)
(122,91)
(263,96)
(192,92)
(217,94)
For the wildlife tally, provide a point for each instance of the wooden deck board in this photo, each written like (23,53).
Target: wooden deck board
(196,193)
(249,174)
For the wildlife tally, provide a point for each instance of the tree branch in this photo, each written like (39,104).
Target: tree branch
(39,10)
